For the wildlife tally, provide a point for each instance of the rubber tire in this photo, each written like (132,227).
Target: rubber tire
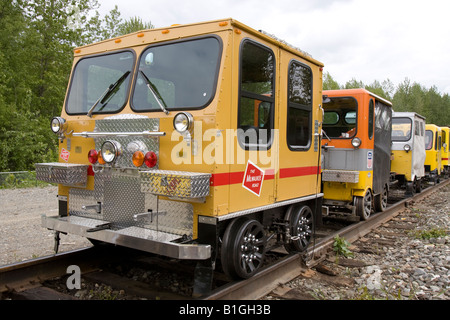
(380,201)
(363,205)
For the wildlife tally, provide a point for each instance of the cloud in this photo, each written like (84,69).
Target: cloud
(366,40)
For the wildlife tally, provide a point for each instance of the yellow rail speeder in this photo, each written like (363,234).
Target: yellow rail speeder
(357,147)
(408,151)
(197,141)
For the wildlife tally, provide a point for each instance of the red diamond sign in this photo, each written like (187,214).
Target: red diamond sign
(253,178)
(64,154)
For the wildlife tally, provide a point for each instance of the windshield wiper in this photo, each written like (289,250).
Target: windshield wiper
(108,92)
(155,93)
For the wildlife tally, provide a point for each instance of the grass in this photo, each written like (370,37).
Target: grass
(341,247)
(20,180)
(428,234)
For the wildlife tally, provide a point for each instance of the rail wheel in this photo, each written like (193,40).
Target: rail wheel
(380,201)
(243,248)
(364,205)
(300,227)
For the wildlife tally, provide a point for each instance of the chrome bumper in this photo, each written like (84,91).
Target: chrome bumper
(133,237)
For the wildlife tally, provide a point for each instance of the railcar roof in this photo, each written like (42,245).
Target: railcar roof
(356,91)
(179,31)
(407,114)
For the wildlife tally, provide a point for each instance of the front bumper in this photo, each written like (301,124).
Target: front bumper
(152,241)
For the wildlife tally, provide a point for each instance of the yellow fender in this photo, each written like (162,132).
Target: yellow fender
(360,192)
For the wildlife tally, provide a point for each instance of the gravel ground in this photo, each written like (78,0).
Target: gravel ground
(21,235)
(406,267)
(412,268)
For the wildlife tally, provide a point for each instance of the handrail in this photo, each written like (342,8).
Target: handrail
(86,134)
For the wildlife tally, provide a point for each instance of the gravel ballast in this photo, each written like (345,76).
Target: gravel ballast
(412,267)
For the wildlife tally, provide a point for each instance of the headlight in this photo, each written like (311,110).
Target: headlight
(356,142)
(111,150)
(58,125)
(407,147)
(183,122)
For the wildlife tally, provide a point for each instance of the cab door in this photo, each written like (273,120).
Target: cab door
(252,179)
(299,145)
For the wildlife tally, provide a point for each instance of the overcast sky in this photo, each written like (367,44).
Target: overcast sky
(361,39)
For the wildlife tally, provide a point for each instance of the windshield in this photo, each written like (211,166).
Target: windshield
(183,74)
(401,129)
(340,117)
(92,78)
(428,140)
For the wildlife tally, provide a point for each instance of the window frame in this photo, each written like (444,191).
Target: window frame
(159,44)
(411,133)
(371,119)
(357,116)
(298,106)
(432,139)
(257,97)
(127,94)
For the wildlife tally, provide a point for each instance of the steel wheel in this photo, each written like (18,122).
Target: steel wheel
(243,248)
(300,228)
(364,205)
(381,200)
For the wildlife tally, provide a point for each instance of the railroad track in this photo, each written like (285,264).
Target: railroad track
(35,279)
(289,268)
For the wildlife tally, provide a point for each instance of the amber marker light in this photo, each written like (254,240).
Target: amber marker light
(150,159)
(138,158)
(100,158)
(93,156)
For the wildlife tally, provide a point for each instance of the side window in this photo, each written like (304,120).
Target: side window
(428,139)
(300,106)
(371,106)
(416,128)
(256,96)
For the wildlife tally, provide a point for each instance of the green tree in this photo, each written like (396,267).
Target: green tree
(353,84)
(329,83)
(134,24)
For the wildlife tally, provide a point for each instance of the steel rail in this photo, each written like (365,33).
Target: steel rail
(27,274)
(289,268)
(360,229)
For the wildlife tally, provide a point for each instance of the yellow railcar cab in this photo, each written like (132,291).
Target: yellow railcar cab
(357,146)
(198,141)
(408,150)
(433,149)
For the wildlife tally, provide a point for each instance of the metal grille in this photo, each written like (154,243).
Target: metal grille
(127,123)
(121,200)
